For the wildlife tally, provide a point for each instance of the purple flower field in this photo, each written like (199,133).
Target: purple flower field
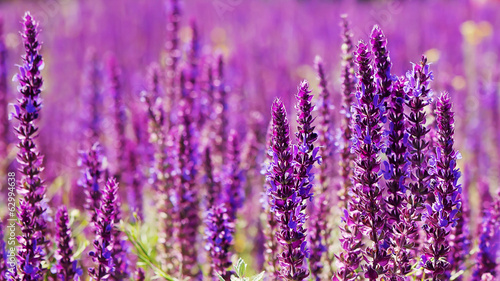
(250,140)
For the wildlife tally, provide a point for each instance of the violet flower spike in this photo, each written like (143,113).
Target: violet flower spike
(271,246)
(162,168)
(67,267)
(120,249)
(382,62)
(443,214)
(93,95)
(219,237)
(348,90)
(104,240)
(418,91)
(31,212)
(352,243)
(367,146)
(234,192)
(119,118)
(319,219)
(489,245)
(401,220)
(90,163)
(187,219)
(285,201)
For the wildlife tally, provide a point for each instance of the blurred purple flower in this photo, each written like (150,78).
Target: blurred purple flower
(219,237)
(67,267)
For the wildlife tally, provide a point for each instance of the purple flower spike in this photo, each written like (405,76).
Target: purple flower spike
(219,237)
(285,200)
(186,209)
(320,210)
(161,178)
(447,195)
(417,89)
(234,177)
(104,241)
(67,268)
(348,90)
(31,212)
(489,244)
(306,155)
(382,61)
(368,193)
(401,220)
(211,181)
(90,163)
(271,246)
(93,96)
(351,242)
(4,121)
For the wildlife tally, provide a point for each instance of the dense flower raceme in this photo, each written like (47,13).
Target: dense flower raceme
(234,193)
(419,94)
(91,165)
(186,207)
(290,183)
(442,215)
(401,218)
(31,210)
(367,145)
(348,79)
(102,255)
(320,210)
(219,237)
(489,245)
(67,268)
(93,96)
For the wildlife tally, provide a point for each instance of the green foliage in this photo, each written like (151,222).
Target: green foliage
(240,268)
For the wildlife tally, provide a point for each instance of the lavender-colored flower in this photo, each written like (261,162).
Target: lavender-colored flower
(285,199)
(234,194)
(161,178)
(271,246)
(140,275)
(382,62)
(351,242)
(104,240)
(418,92)
(401,220)
(31,212)
(219,237)
(489,245)
(119,255)
(4,122)
(90,163)
(367,145)
(211,182)
(220,122)
(305,155)
(461,237)
(119,117)
(67,267)
(172,44)
(348,90)
(93,95)
(186,209)
(442,215)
